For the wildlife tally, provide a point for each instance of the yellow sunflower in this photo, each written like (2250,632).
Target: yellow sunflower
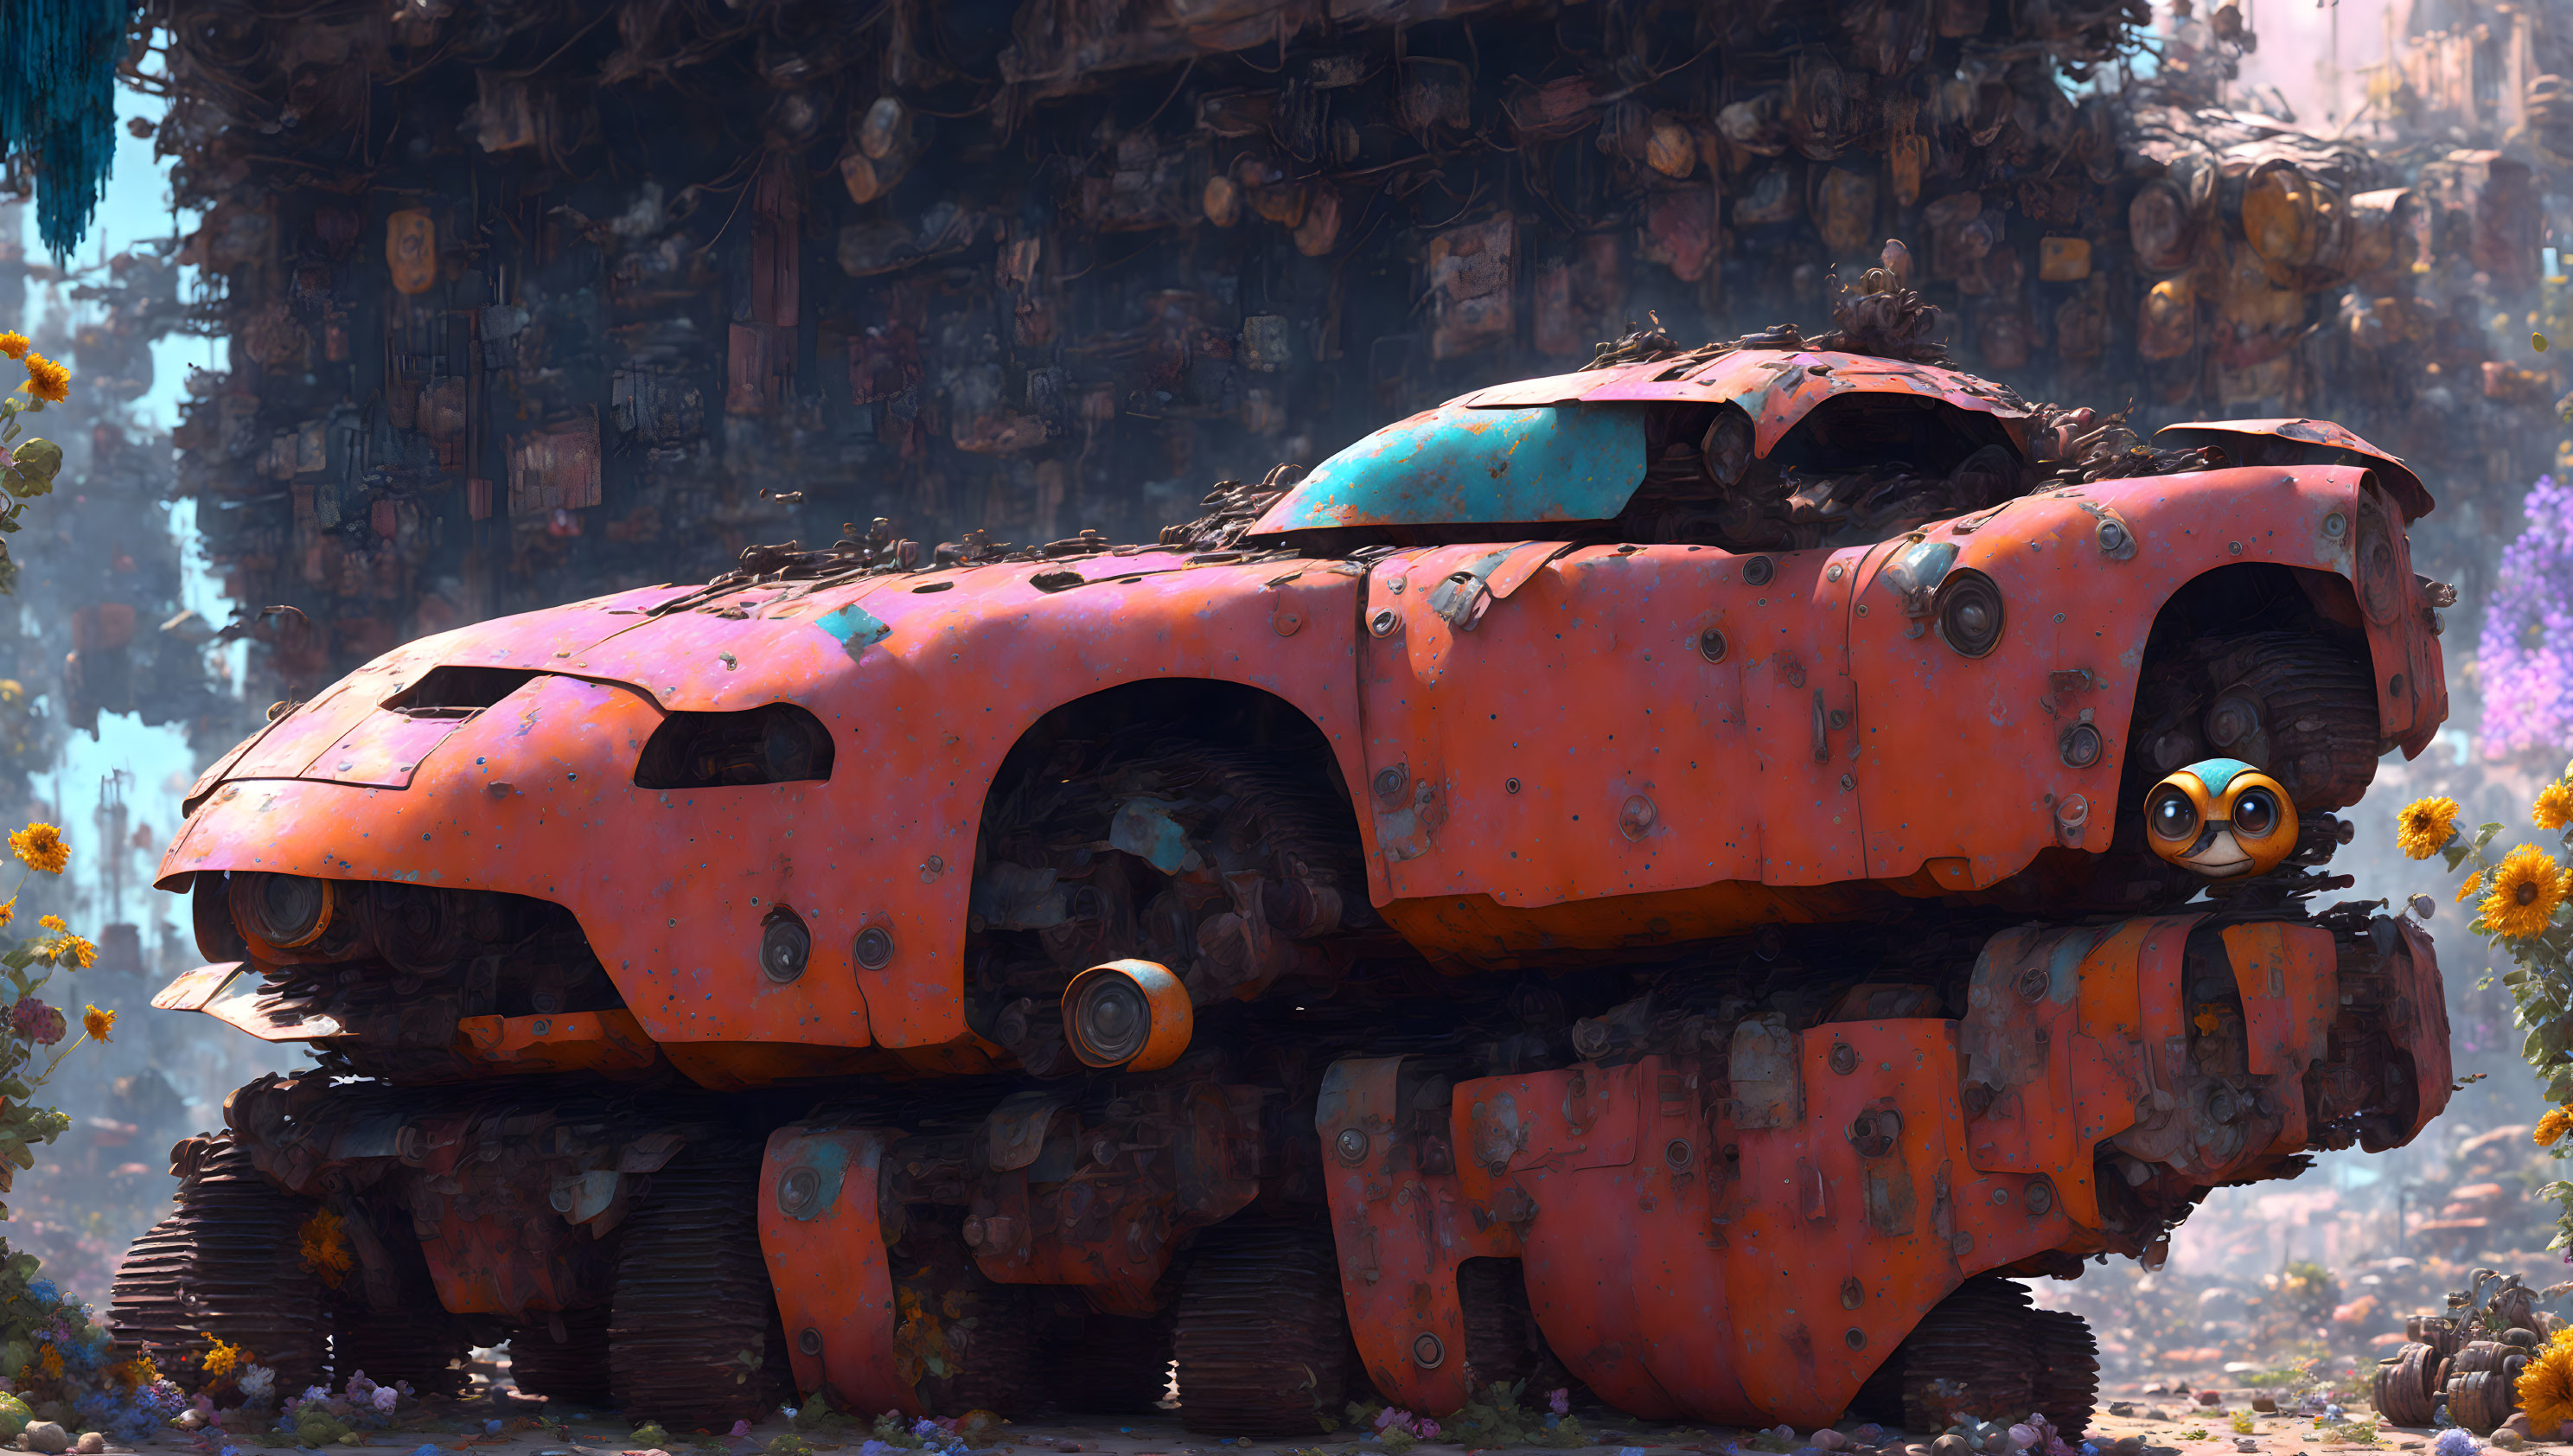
(13,343)
(2527,888)
(2546,1384)
(76,953)
(2425,825)
(2552,1126)
(2474,883)
(2554,808)
(98,1022)
(41,846)
(52,923)
(48,380)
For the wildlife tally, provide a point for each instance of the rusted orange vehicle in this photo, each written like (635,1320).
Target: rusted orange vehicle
(1634,881)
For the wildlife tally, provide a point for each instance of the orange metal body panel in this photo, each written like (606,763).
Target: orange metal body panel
(609,1043)
(1403,1225)
(1556,766)
(830,1269)
(1753,1258)
(1776,387)
(1719,1289)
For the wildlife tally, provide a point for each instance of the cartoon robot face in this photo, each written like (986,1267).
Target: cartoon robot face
(2221,818)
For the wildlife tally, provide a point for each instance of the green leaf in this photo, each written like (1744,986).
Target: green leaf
(2455,854)
(2484,834)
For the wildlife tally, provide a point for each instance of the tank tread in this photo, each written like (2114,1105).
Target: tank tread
(1264,1342)
(226,1264)
(692,1335)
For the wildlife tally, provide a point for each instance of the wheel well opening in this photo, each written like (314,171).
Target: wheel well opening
(1221,712)
(2264,663)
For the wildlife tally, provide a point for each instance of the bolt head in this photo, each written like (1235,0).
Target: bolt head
(1350,1146)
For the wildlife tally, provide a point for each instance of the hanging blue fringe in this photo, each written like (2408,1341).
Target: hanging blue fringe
(58,104)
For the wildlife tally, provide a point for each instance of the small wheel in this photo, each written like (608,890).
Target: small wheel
(572,1369)
(1263,1340)
(226,1264)
(692,1336)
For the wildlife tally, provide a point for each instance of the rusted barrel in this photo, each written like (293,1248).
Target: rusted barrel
(2478,1357)
(2402,1392)
(2480,1400)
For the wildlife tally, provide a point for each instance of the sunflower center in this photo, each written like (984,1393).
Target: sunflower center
(2526,893)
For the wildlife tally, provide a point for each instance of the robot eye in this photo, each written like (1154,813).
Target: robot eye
(2255,813)
(2171,815)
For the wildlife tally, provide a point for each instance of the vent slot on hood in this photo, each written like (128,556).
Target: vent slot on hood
(458,692)
(776,744)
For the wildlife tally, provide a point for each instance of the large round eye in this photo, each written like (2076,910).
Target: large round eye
(2255,813)
(2170,816)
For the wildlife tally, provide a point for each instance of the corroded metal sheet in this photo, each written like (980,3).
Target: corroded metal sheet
(2325,439)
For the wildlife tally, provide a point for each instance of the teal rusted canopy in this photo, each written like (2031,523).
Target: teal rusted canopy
(1457,465)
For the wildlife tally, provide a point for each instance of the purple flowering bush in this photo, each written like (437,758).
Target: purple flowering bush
(2525,656)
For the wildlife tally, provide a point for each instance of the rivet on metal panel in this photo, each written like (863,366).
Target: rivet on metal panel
(797,1189)
(932,868)
(1853,1294)
(1839,719)
(1635,818)
(2032,984)
(874,948)
(2071,814)
(1287,623)
(1844,1057)
(1510,786)
(1856,1338)
(541,1027)
(1873,1133)
(785,947)
(1393,586)
(2335,526)
(1385,623)
(2080,746)
(2233,548)
(1862,609)
(1391,781)
(1848,782)
(1428,1351)
(809,1341)
(1677,1154)
(1832,572)
(1710,645)
(1350,1146)
(2040,1197)
(1758,570)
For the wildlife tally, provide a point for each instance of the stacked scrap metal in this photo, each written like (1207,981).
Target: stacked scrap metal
(532,301)
(528,301)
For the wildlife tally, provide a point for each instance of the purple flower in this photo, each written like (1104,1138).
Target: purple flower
(36,1021)
(1559,1400)
(2525,656)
